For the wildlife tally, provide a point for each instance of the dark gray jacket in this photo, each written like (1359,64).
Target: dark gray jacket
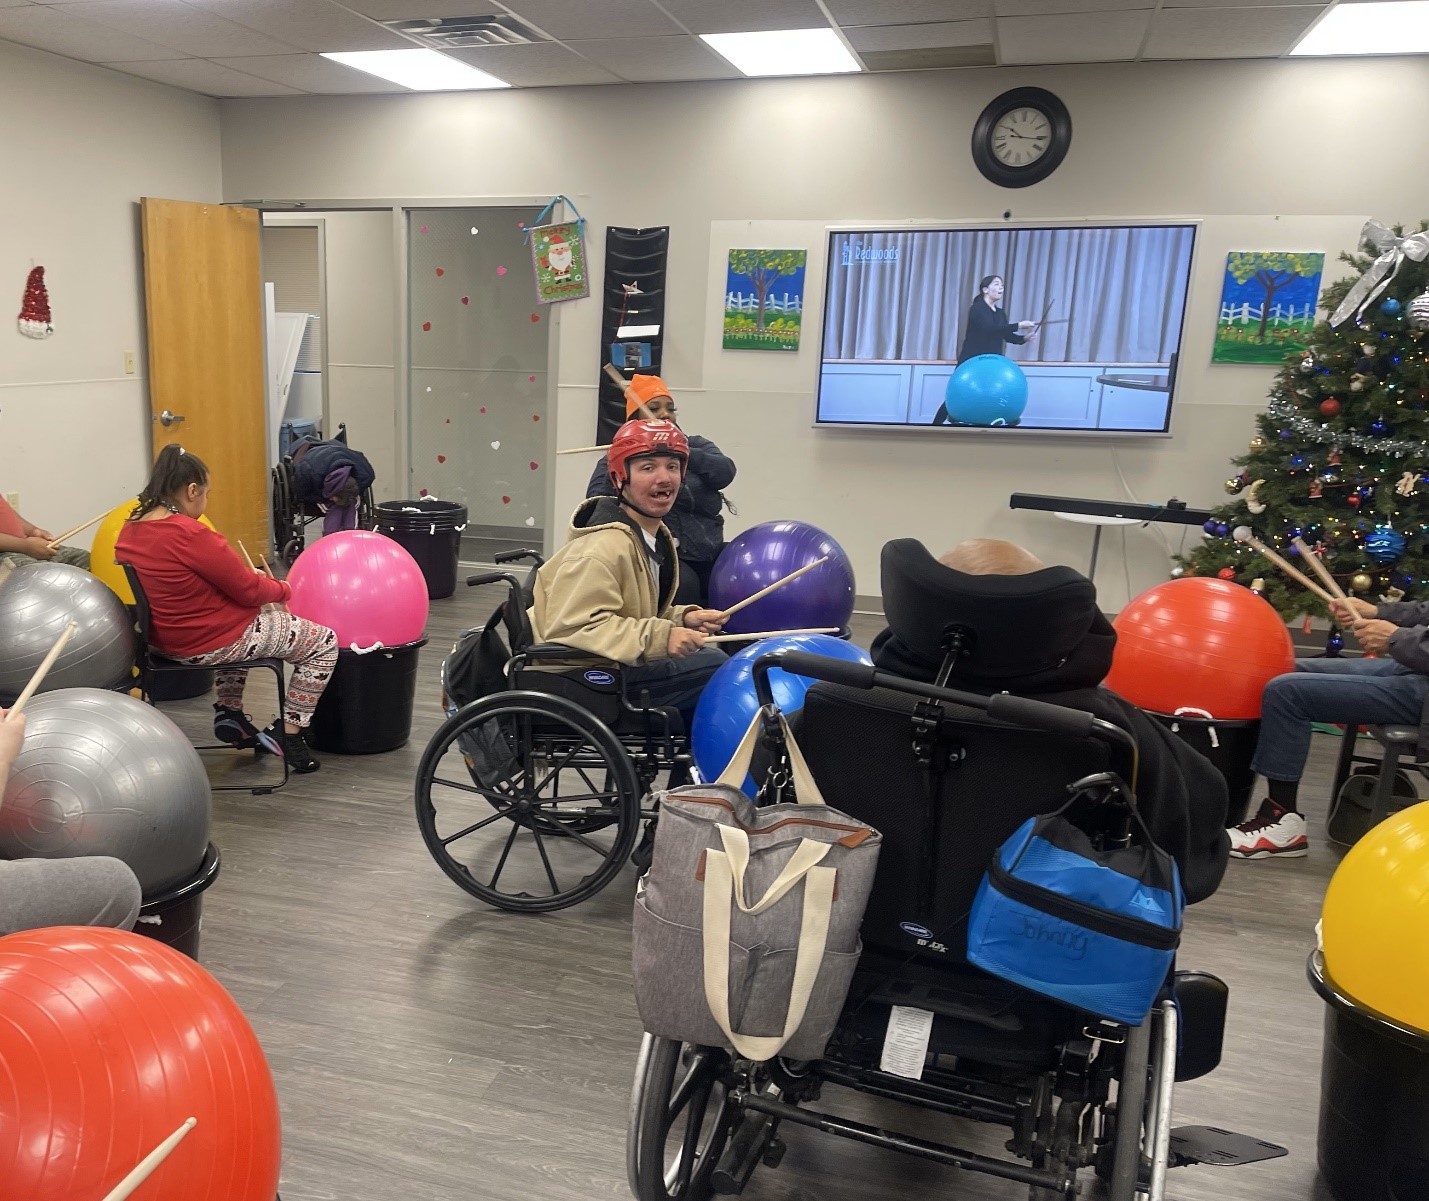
(1410,645)
(697,520)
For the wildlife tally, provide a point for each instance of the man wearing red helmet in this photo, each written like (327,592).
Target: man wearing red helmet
(610,590)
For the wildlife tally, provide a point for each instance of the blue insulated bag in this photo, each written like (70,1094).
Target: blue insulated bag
(1094,929)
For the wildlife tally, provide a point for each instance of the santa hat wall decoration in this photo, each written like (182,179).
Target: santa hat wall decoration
(34,320)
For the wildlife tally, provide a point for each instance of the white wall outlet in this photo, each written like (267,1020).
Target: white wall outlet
(128,362)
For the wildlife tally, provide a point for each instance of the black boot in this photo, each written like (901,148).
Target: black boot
(294,749)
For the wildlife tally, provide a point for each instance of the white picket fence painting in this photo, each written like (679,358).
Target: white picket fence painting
(1247,314)
(738,302)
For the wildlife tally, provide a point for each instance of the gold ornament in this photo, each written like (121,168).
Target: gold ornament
(1361,582)
(1255,506)
(1257,443)
(1234,485)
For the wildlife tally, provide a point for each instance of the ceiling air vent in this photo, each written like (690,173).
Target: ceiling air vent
(460,33)
(928,58)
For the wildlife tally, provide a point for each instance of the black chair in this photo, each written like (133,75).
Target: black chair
(152,665)
(1364,795)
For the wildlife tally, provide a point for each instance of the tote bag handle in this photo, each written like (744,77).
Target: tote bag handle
(721,893)
(806,792)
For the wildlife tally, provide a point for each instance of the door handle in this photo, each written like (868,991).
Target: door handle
(167,419)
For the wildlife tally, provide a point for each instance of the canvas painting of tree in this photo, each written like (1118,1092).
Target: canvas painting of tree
(1267,306)
(764,299)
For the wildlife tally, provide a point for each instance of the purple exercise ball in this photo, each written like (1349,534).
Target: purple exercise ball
(819,599)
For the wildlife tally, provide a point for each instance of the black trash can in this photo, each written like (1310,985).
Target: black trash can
(1229,745)
(1373,1142)
(367,707)
(430,531)
(179,685)
(174,917)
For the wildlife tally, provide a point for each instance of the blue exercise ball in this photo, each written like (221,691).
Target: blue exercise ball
(988,389)
(818,599)
(728,703)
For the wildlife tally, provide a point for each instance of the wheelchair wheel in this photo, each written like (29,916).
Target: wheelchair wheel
(527,801)
(680,1120)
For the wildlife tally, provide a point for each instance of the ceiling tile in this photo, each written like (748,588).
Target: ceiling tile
(648,60)
(309,73)
(1232,4)
(543,64)
(56,31)
(308,24)
(178,25)
(918,37)
(212,79)
(744,16)
(1038,8)
(594,19)
(1071,38)
(906,12)
(1228,32)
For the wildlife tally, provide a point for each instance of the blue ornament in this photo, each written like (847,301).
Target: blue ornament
(1385,544)
(1222,529)
(1210,526)
(1335,643)
(1379,426)
(1390,307)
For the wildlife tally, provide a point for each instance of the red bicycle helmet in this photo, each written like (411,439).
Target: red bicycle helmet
(640,438)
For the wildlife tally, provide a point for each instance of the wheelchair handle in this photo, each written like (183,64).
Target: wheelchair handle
(486,577)
(1039,715)
(515,556)
(820,667)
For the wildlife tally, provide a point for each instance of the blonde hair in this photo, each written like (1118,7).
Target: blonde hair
(991,556)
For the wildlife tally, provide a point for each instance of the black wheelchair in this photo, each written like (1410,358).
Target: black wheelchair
(947,777)
(531,794)
(291,517)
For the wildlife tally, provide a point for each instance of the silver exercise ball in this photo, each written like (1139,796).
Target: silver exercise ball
(100,773)
(37,602)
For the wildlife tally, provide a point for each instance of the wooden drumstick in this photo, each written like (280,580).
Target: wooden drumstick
(247,558)
(584,450)
(268,571)
(6,567)
(1319,568)
(766,634)
(146,1166)
(42,670)
(1285,566)
(793,575)
(624,385)
(79,529)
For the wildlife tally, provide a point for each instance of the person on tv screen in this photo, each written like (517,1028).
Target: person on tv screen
(988,328)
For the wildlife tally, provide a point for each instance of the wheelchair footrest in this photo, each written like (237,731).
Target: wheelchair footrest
(1220,1148)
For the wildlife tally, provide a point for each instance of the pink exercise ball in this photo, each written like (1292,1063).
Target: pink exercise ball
(364,587)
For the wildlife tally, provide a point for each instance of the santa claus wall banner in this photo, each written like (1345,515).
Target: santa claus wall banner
(558,256)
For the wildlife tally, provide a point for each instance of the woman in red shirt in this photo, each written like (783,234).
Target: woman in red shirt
(207,607)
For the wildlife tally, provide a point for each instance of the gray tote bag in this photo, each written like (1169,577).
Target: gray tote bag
(746,926)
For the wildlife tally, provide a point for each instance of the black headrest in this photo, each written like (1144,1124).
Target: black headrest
(1025,629)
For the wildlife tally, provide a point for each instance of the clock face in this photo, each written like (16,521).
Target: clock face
(1021,136)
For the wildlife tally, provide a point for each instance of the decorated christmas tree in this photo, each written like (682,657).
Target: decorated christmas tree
(1342,451)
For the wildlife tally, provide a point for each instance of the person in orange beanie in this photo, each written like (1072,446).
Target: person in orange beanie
(697,520)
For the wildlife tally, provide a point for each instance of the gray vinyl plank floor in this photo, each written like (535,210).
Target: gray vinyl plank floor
(427,1047)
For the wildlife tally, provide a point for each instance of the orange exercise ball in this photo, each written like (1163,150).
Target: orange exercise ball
(1376,919)
(1199,644)
(108,1043)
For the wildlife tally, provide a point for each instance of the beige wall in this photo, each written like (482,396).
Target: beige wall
(80,146)
(1268,154)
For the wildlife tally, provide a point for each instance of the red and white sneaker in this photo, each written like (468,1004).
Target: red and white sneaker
(1273,831)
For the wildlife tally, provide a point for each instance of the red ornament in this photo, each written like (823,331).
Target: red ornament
(1328,408)
(1226,573)
(1354,500)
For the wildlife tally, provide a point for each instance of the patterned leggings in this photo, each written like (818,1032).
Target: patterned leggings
(277,634)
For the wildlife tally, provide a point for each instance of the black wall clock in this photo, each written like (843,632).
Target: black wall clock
(1021,137)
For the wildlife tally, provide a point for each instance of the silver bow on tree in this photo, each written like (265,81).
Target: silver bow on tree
(1393,250)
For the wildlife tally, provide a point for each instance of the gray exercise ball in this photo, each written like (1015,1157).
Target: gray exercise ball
(100,773)
(37,602)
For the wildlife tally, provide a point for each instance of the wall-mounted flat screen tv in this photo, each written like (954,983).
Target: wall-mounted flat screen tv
(1073,329)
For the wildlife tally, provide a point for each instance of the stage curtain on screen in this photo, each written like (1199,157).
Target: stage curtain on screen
(1119,292)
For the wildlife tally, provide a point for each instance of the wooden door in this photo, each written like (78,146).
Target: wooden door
(203,290)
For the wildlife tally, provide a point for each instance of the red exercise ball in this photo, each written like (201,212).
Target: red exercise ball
(1197,643)
(108,1042)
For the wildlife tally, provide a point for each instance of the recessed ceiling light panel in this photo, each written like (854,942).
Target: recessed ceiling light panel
(420,70)
(1379,27)
(784,52)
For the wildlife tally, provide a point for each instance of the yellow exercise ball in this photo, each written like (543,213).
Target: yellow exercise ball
(1376,919)
(101,551)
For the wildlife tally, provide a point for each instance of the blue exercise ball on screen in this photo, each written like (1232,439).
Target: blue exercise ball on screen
(728,703)
(988,389)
